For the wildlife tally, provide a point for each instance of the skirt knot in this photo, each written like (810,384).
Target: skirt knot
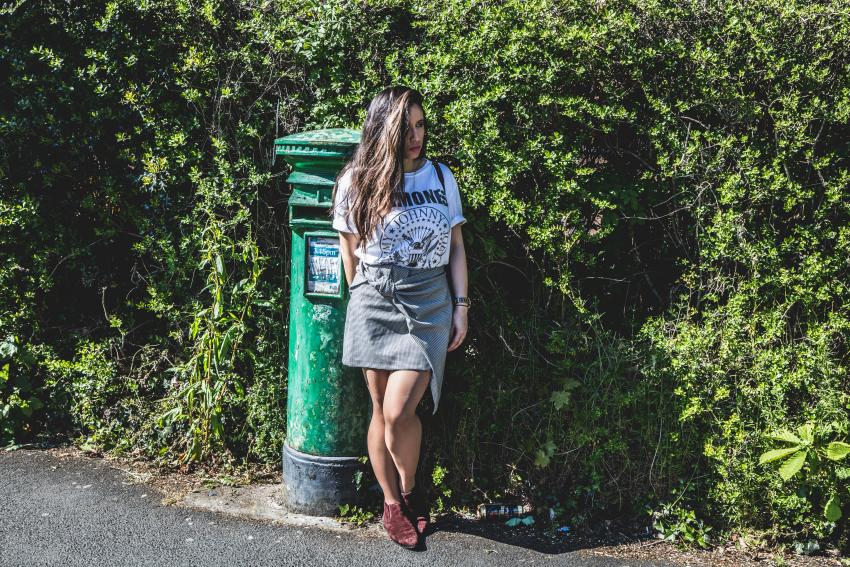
(399,318)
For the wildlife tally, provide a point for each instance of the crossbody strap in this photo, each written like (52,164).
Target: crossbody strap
(443,183)
(439,174)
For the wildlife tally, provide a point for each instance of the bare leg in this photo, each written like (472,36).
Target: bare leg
(379,455)
(403,432)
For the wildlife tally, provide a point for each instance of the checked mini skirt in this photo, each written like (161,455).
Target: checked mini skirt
(399,318)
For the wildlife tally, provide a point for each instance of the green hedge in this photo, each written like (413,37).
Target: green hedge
(658,238)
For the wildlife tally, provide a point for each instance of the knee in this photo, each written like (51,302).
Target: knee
(378,410)
(394,417)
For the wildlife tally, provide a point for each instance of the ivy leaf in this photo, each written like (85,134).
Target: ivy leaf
(544,455)
(777,454)
(793,465)
(785,435)
(832,510)
(541,459)
(837,450)
(560,399)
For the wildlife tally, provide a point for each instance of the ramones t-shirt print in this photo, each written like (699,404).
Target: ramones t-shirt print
(416,231)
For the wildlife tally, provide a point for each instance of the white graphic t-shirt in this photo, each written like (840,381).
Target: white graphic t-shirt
(416,231)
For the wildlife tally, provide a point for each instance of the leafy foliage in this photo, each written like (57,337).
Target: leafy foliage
(806,448)
(658,238)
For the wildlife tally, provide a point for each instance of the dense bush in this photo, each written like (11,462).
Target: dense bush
(657,242)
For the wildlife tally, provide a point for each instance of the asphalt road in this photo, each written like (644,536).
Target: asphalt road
(70,512)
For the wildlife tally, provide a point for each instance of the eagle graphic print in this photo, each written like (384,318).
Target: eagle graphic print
(416,233)
(416,238)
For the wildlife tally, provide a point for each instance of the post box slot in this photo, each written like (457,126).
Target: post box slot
(305,212)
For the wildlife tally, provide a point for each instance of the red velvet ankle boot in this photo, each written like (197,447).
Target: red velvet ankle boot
(399,527)
(414,502)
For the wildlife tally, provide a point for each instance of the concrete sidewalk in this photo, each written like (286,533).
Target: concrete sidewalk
(81,511)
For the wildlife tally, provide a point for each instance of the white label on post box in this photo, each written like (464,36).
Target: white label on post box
(323,265)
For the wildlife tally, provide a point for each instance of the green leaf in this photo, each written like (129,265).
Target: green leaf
(793,465)
(224,349)
(776,454)
(8,347)
(544,455)
(832,510)
(806,431)
(785,435)
(837,450)
(560,399)
(238,387)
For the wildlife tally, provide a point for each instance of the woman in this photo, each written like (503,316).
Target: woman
(399,220)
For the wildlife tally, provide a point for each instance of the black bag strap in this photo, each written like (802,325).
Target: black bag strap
(443,183)
(439,174)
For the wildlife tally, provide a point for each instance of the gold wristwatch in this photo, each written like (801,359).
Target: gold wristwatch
(461,300)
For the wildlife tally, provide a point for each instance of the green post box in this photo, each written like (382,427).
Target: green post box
(328,406)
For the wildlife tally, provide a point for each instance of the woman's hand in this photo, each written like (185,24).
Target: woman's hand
(459,326)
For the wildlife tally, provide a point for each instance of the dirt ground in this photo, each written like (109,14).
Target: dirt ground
(610,541)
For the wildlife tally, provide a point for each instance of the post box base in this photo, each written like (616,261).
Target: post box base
(317,485)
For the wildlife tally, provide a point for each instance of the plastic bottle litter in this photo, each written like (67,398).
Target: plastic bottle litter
(500,511)
(527,521)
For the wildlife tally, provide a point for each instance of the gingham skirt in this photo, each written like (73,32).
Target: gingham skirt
(399,318)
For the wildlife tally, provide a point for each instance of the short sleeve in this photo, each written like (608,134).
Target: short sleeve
(343,220)
(453,198)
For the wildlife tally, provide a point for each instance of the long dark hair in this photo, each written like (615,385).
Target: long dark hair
(377,169)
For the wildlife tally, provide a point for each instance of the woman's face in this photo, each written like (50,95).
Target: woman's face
(415,132)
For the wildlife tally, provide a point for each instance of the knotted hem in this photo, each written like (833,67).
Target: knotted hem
(421,297)
(435,381)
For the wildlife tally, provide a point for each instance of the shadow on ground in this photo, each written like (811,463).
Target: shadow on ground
(538,539)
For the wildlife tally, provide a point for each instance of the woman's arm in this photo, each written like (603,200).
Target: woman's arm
(457,268)
(348,244)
